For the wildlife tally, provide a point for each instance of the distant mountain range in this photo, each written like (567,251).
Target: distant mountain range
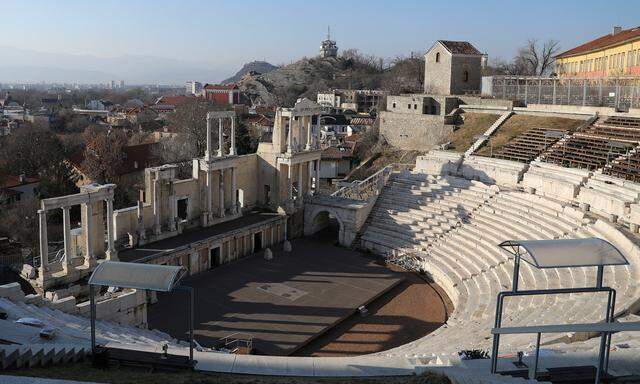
(256,67)
(22,65)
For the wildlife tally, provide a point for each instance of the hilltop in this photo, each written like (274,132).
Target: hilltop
(255,67)
(307,76)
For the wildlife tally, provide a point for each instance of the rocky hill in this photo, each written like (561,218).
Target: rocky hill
(255,67)
(304,78)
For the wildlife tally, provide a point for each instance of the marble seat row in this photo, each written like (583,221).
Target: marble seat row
(466,262)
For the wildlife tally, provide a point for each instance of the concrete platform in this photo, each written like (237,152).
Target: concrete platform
(283,303)
(159,247)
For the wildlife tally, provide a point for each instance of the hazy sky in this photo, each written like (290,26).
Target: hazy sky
(229,33)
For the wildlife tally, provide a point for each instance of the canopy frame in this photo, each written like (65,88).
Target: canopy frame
(159,278)
(520,248)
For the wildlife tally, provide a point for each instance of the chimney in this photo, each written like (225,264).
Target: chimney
(484,61)
(616,29)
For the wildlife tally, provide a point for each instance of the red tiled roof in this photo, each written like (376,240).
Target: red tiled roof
(137,158)
(339,152)
(173,100)
(460,47)
(11,181)
(603,42)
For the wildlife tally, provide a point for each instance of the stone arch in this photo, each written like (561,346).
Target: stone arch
(318,220)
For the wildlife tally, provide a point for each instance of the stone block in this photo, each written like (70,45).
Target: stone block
(12,291)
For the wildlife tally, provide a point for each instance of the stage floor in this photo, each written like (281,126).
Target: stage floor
(283,303)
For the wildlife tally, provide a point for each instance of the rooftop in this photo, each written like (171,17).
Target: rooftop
(603,42)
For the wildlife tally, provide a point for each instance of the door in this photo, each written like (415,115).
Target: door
(257,241)
(215,257)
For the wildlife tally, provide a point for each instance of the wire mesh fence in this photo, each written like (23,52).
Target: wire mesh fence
(620,93)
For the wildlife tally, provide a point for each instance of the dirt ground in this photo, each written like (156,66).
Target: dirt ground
(409,311)
(474,124)
(518,124)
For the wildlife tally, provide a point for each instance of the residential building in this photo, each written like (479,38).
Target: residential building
(193,88)
(357,100)
(614,54)
(14,188)
(337,161)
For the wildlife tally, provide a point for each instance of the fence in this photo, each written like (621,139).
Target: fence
(620,93)
(372,185)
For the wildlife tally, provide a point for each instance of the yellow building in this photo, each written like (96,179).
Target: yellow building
(611,55)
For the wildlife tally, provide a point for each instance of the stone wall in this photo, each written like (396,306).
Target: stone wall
(414,132)
(461,64)
(437,75)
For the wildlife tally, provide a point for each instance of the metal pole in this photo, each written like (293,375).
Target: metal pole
(496,337)
(535,363)
(92,305)
(584,92)
(600,275)
(191,316)
(516,272)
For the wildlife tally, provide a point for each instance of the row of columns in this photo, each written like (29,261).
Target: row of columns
(221,193)
(89,256)
(310,177)
(309,142)
(220,152)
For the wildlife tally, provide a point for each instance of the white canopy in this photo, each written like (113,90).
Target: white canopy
(137,275)
(587,252)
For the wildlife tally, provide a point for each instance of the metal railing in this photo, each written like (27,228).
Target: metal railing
(370,187)
(620,93)
(237,340)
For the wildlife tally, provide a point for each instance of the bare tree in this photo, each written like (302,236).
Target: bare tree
(534,59)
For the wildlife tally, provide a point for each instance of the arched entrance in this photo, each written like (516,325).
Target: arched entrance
(326,226)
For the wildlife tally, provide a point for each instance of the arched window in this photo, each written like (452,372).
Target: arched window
(465,76)
(437,57)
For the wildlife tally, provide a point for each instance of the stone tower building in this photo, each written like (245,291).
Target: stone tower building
(328,47)
(452,68)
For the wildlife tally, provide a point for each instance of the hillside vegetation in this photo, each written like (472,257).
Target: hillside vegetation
(471,125)
(351,70)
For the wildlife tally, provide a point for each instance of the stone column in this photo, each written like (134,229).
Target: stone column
(209,186)
(111,249)
(88,229)
(232,150)
(253,242)
(309,178)
(66,229)
(290,135)
(220,139)
(289,182)
(142,235)
(300,194)
(317,176)
(172,212)
(44,244)
(308,146)
(207,153)
(157,228)
(234,202)
(222,193)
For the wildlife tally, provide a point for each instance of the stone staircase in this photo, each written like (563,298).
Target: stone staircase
(39,355)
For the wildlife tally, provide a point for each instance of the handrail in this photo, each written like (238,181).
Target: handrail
(562,328)
(371,186)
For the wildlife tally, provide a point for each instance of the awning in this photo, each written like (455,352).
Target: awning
(587,252)
(161,278)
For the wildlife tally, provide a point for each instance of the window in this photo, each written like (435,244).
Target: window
(437,57)
(394,105)
(465,76)
(408,106)
(415,106)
